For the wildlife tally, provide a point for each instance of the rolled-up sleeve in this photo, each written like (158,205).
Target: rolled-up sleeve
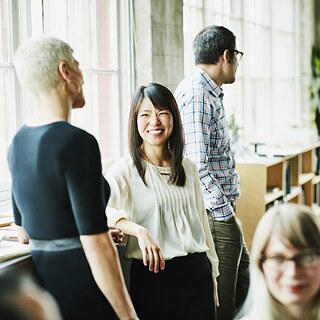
(119,195)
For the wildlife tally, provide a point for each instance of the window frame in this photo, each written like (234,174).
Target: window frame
(237,100)
(20,26)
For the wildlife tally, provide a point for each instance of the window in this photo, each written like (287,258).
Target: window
(7,112)
(98,31)
(267,94)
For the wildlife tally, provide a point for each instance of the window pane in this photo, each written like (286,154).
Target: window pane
(283,15)
(257,11)
(284,104)
(257,109)
(257,57)
(192,24)
(91,28)
(283,49)
(4,31)
(7,117)
(106,33)
(109,130)
(101,109)
(55,18)
(268,31)
(7,110)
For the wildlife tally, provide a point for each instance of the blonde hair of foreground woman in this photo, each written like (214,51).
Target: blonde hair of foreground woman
(281,289)
(22,299)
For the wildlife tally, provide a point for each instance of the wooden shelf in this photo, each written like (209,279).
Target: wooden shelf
(272,196)
(316,180)
(306,177)
(295,192)
(266,181)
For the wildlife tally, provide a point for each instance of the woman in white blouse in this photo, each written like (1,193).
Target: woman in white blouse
(156,199)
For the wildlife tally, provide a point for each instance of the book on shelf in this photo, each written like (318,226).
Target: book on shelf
(317,171)
(288,179)
(274,203)
(5,220)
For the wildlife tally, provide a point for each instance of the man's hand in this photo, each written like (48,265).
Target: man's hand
(117,234)
(22,234)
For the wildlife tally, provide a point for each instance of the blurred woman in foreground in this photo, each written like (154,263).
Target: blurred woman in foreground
(285,271)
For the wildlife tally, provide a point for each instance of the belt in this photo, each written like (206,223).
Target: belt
(55,245)
(232,219)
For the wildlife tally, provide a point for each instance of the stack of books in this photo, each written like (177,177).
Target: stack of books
(10,247)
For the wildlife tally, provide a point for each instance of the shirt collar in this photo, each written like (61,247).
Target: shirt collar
(209,84)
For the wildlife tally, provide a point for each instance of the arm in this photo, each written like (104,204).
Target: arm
(151,252)
(88,196)
(21,232)
(104,263)
(119,213)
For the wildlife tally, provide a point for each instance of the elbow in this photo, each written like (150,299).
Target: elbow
(97,243)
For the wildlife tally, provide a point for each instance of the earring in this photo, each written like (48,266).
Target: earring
(72,88)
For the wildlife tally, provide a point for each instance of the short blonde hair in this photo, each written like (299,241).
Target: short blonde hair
(36,62)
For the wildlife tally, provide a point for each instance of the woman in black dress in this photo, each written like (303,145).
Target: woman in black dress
(58,192)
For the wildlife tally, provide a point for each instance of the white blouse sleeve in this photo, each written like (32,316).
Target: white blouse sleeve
(211,253)
(119,193)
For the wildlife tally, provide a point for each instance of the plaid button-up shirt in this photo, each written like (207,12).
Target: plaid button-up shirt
(207,142)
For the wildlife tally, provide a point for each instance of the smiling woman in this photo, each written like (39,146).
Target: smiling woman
(285,282)
(154,126)
(156,199)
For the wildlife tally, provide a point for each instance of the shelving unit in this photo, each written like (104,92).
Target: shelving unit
(292,178)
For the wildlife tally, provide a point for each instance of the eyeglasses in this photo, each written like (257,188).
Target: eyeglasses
(306,260)
(239,54)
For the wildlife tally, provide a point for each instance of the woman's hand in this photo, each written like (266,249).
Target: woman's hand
(117,234)
(22,234)
(151,251)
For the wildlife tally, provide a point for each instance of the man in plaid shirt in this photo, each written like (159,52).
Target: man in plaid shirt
(207,143)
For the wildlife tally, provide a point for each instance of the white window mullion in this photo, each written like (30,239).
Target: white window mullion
(297,62)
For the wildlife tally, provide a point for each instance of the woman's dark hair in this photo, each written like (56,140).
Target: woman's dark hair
(210,43)
(162,99)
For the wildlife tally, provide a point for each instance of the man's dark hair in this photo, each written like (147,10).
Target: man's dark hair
(210,43)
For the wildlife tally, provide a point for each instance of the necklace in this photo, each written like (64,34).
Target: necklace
(163,171)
